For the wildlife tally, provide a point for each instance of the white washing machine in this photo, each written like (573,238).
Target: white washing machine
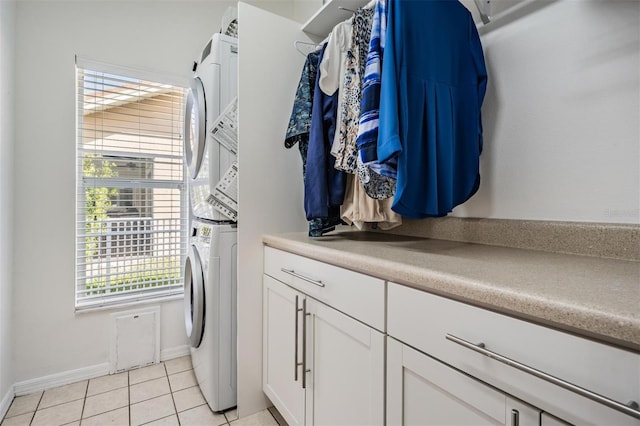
(210,310)
(213,87)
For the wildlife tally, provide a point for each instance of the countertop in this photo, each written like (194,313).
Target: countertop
(593,297)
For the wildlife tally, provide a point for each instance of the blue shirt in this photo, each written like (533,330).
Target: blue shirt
(433,84)
(370,103)
(324,186)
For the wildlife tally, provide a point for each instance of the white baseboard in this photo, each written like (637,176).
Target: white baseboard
(59,379)
(176,352)
(5,403)
(72,376)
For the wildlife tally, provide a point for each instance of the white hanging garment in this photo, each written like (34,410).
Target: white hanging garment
(332,67)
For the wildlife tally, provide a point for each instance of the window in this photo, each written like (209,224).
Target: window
(130,215)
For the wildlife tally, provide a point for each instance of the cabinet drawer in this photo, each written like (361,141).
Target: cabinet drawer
(423,320)
(423,391)
(357,295)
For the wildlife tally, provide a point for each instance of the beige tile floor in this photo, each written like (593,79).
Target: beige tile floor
(161,394)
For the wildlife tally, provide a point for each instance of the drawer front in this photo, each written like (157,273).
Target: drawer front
(423,320)
(357,295)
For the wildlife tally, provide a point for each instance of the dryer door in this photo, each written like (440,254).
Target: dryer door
(194,126)
(194,297)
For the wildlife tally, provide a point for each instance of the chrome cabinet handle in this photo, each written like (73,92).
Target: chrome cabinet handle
(302,277)
(515,417)
(630,409)
(304,343)
(295,344)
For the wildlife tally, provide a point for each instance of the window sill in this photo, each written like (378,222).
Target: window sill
(115,305)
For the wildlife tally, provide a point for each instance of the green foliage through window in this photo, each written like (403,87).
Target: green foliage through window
(151,273)
(98,200)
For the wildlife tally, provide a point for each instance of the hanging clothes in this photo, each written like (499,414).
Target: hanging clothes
(345,148)
(298,132)
(433,84)
(368,197)
(300,120)
(375,185)
(358,208)
(332,76)
(367,140)
(324,186)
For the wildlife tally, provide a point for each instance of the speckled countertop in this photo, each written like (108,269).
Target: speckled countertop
(595,297)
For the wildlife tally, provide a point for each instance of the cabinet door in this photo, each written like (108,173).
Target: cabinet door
(423,391)
(280,339)
(346,359)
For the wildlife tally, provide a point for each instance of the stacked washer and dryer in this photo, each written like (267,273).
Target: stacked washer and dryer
(211,265)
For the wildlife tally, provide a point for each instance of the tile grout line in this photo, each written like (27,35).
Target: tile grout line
(175,408)
(51,406)
(66,402)
(33,417)
(129,395)
(84,402)
(36,410)
(128,386)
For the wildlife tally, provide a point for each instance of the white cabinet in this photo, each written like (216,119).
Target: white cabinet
(280,351)
(346,379)
(320,366)
(325,347)
(358,295)
(495,349)
(423,391)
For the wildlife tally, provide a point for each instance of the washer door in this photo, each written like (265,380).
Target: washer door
(194,297)
(194,126)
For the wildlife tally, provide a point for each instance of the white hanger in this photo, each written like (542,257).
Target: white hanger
(298,43)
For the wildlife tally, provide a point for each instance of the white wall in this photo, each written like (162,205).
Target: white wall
(270,180)
(562,115)
(7,136)
(163,37)
(305,9)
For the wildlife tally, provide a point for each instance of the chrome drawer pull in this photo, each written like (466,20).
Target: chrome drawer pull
(515,418)
(304,343)
(295,343)
(302,277)
(629,409)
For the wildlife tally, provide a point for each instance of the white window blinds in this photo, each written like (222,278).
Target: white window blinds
(130,214)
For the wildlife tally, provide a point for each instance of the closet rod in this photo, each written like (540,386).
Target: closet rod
(513,13)
(345,9)
(484,7)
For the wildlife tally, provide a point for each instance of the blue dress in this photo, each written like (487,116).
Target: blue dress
(433,83)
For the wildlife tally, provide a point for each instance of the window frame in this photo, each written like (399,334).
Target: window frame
(153,294)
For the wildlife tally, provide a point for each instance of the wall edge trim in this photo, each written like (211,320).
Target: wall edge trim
(58,379)
(6,401)
(175,352)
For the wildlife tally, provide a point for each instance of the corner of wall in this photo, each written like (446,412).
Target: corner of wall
(7,143)
(5,402)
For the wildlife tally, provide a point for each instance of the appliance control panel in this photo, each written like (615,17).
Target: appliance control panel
(201,232)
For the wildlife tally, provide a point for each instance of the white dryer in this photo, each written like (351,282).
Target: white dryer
(210,310)
(212,89)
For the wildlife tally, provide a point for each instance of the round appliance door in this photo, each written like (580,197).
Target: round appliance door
(194,126)
(194,297)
